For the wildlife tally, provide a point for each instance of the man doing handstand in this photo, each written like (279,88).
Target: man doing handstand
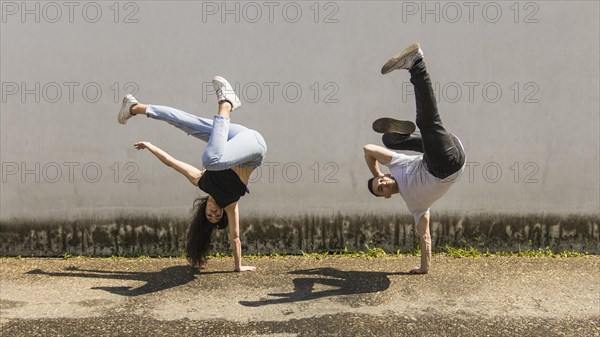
(421,179)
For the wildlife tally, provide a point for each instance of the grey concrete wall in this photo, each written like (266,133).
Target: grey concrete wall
(166,236)
(518,82)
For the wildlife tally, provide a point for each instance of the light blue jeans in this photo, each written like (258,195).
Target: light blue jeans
(228,144)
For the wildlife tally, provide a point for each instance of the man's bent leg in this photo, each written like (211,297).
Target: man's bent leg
(398,141)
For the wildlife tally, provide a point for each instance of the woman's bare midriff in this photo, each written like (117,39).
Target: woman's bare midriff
(243,172)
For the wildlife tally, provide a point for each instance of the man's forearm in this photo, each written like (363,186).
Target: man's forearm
(425,241)
(425,253)
(373,166)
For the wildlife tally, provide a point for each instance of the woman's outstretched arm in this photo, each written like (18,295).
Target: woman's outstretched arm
(233,218)
(191,173)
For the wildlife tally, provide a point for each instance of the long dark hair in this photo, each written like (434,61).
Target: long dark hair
(200,233)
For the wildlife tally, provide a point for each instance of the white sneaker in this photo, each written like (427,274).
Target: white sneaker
(404,60)
(125,113)
(225,92)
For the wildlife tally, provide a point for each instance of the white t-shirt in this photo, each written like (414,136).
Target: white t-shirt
(419,188)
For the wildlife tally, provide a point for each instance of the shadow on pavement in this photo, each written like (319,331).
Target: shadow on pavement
(155,281)
(346,283)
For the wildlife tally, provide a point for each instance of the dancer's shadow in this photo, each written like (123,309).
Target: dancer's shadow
(345,283)
(155,281)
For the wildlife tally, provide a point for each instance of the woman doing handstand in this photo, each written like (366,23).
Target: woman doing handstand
(231,155)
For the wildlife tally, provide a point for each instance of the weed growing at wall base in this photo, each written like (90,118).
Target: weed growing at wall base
(540,252)
(454,252)
(367,253)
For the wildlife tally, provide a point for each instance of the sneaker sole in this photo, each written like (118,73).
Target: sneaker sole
(391,63)
(122,118)
(389,125)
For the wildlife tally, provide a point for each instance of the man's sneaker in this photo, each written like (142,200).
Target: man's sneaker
(404,60)
(125,113)
(388,125)
(225,92)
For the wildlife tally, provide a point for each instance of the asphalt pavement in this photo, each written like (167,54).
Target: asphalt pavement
(301,296)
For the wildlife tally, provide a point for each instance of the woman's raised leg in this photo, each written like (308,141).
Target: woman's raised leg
(246,149)
(191,124)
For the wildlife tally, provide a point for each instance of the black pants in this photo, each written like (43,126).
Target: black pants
(442,151)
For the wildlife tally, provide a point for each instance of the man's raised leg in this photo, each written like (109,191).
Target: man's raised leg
(441,154)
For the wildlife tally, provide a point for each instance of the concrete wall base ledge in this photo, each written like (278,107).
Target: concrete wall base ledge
(162,236)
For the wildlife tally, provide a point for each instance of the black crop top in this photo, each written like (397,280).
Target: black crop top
(225,187)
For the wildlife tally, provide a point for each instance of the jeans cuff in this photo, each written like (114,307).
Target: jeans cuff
(150,111)
(221,118)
